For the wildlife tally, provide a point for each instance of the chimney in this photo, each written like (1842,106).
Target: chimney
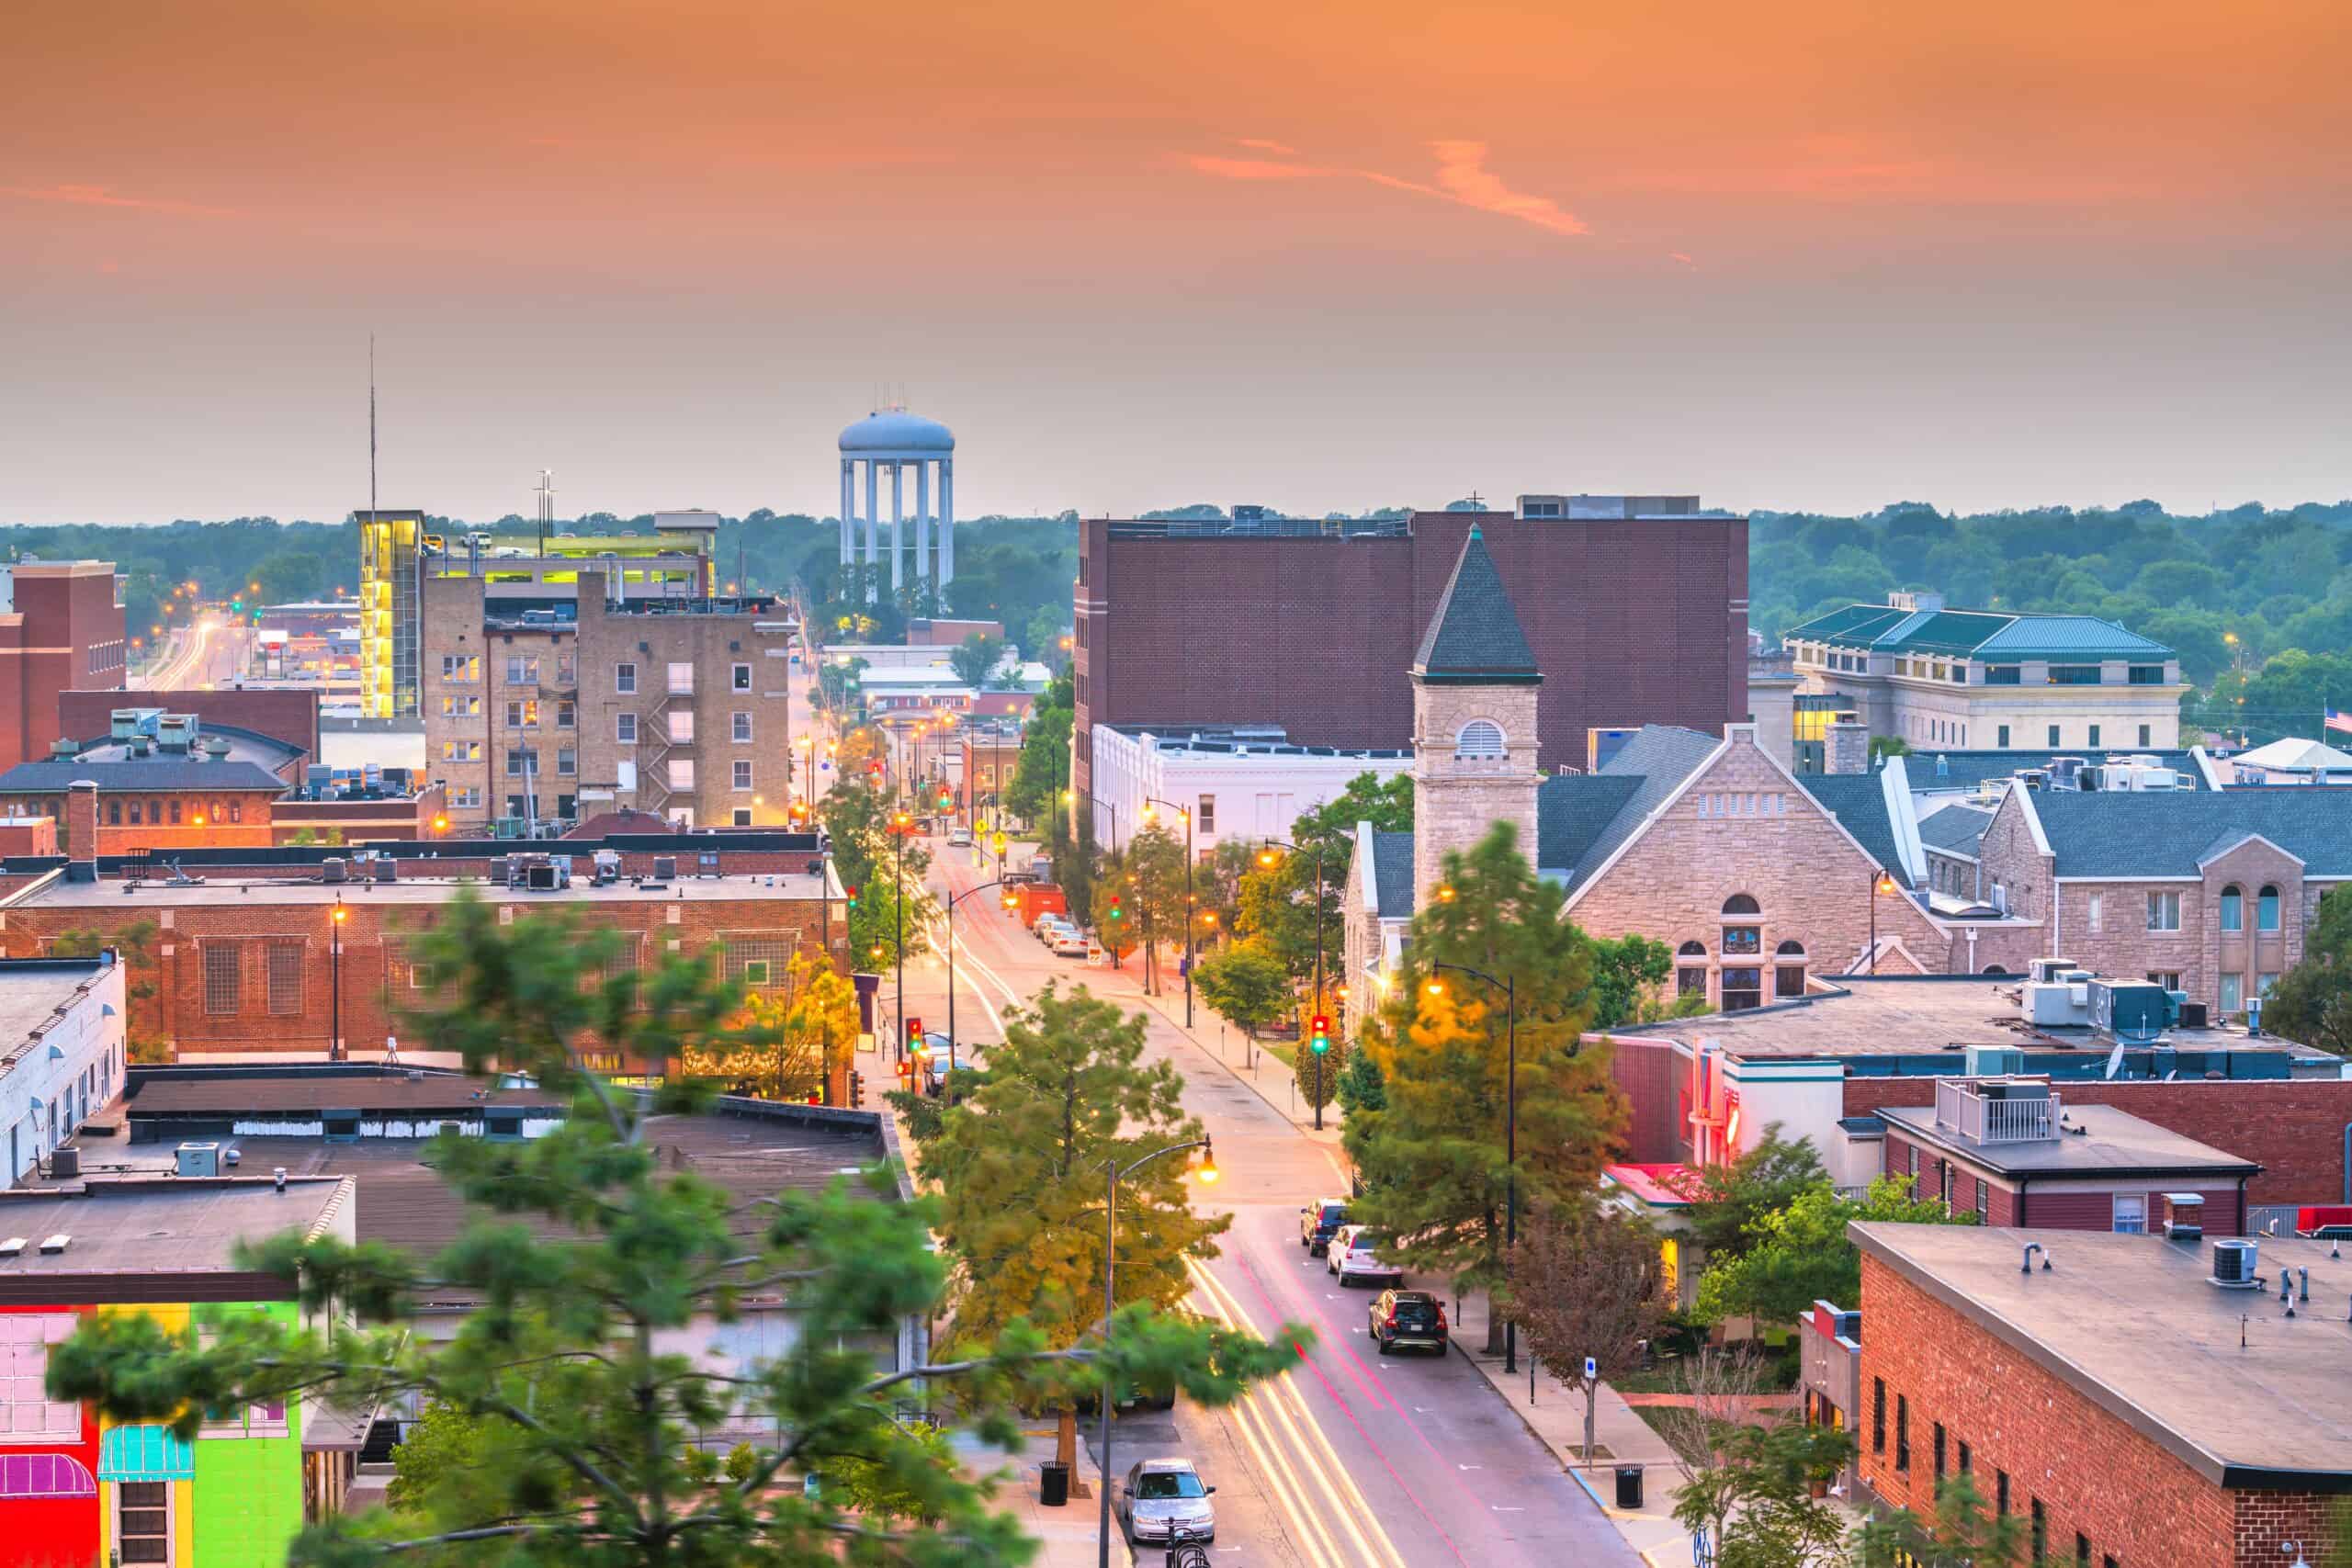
(1849,749)
(81,830)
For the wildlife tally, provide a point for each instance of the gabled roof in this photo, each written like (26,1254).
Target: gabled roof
(1392,874)
(1583,818)
(1475,636)
(1859,801)
(1955,828)
(1980,634)
(2167,833)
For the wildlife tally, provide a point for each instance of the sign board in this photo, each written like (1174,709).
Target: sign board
(1592,1370)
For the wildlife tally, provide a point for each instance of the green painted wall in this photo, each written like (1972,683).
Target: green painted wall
(248,1491)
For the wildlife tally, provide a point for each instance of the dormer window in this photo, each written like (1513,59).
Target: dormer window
(1479,738)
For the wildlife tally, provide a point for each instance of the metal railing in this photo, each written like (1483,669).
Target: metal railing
(1994,1120)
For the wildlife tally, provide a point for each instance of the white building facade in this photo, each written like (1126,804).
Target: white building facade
(1239,783)
(63,1051)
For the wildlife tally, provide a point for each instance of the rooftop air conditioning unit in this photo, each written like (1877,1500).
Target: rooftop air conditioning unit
(334,868)
(199,1159)
(2237,1264)
(665,868)
(66,1163)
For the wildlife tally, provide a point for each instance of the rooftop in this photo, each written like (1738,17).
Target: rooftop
(2173,833)
(1994,637)
(149,1227)
(419,886)
(34,992)
(1231,740)
(1935,772)
(2238,1391)
(2113,1142)
(1954,829)
(1474,636)
(1923,1025)
(2291,755)
(154,1092)
(179,774)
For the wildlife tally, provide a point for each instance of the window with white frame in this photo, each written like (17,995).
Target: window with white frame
(566,716)
(566,761)
(461,751)
(522,669)
(2094,909)
(468,796)
(625,728)
(682,725)
(742,776)
(742,677)
(524,714)
(625,679)
(681,677)
(2164,911)
(27,1412)
(743,728)
(1479,738)
(461,666)
(681,773)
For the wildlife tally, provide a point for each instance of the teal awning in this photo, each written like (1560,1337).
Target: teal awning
(144,1453)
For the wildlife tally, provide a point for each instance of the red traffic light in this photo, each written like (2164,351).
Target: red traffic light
(1322,1025)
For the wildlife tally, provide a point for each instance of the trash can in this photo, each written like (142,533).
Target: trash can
(1629,1486)
(1052,1483)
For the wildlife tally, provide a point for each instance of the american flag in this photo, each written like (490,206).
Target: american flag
(2337,720)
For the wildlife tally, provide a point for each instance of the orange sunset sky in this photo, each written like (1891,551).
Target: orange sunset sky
(1821,254)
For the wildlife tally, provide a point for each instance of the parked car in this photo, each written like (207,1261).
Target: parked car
(1352,1257)
(1318,1222)
(959,837)
(1068,944)
(1159,1494)
(1401,1318)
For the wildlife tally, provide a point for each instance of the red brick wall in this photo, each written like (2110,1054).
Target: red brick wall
(1632,623)
(290,717)
(76,613)
(2093,1473)
(2293,1128)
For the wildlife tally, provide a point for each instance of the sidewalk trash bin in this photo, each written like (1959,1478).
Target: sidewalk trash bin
(1052,1483)
(1629,1486)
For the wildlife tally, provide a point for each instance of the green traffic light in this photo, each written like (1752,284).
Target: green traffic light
(1321,1045)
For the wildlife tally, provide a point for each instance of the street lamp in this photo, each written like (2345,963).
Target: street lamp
(1114,1173)
(1509,986)
(334,983)
(1882,886)
(1268,859)
(899,824)
(1149,802)
(953,899)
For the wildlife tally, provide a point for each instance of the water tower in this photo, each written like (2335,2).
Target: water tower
(893,439)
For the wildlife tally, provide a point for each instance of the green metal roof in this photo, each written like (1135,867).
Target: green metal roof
(1977,634)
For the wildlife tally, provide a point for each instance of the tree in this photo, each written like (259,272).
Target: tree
(1627,973)
(875,855)
(1019,1162)
(1247,985)
(975,659)
(1729,1202)
(1583,1281)
(1433,1162)
(1318,1076)
(1042,772)
(135,944)
(1359,1086)
(788,1043)
(1963,1533)
(587,1423)
(1754,1498)
(2312,1003)
(1800,1254)
(837,683)
(1153,864)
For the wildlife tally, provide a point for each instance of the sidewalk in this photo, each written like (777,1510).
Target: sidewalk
(1556,1420)
(1066,1532)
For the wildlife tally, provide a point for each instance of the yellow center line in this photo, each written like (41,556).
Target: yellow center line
(1330,1472)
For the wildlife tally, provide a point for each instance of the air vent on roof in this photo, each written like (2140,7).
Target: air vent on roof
(2237,1264)
(14,1247)
(51,1245)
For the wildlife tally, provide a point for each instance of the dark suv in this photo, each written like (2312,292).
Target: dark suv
(1399,1318)
(1318,1223)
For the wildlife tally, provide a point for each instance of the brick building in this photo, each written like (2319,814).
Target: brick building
(566,704)
(1636,609)
(60,630)
(2123,1406)
(2208,891)
(290,718)
(248,959)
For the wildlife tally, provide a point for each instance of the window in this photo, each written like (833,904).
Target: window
(567,668)
(2001,1493)
(142,1521)
(743,677)
(739,728)
(625,728)
(742,776)
(2094,909)
(114,814)
(2074,674)
(1877,1416)
(285,978)
(2130,1214)
(1743,939)
(1741,904)
(2266,915)
(1903,1421)
(2147,675)
(567,716)
(2002,737)
(461,666)
(2041,1544)
(420,977)
(1743,988)
(625,679)
(743,816)
(237,809)
(2169,978)
(2004,674)
(566,761)
(1206,820)
(521,762)
(2233,909)
(1939,1451)
(461,708)
(2263,984)
(221,998)
(2054,737)
(1788,980)
(2233,992)
(2164,911)
(1691,983)
(681,773)
(31,1416)
(461,751)
(2094,735)
(1479,738)
(524,714)
(2082,1551)
(468,795)
(681,726)
(682,678)
(522,669)
(2143,736)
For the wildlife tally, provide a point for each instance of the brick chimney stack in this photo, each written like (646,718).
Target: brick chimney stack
(81,830)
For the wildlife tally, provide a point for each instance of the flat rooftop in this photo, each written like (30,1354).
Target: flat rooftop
(208,1091)
(2113,1142)
(36,991)
(414,889)
(2133,1323)
(1910,1016)
(138,1225)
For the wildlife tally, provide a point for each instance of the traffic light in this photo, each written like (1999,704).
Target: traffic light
(914,1036)
(1118,910)
(851,894)
(946,800)
(1319,1034)
(906,1069)
(856,1089)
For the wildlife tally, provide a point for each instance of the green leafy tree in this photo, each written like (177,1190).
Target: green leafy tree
(586,1447)
(1361,1091)
(134,943)
(1964,1533)
(1041,773)
(1800,1254)
(1318,1077)
(1433,1162)
(976,658)
(1151,864)
(1245,984)
(1627,974)
(2312,1003)
(1755,1500)
(1583,1281)
(873,853)
(1730,1202)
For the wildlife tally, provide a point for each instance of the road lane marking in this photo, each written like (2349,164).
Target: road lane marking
(1307,1532)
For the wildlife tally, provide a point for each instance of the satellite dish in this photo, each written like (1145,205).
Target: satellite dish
(2115,1060)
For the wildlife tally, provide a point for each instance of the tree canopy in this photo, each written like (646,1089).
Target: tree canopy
(2313,1001)
(1798,1255)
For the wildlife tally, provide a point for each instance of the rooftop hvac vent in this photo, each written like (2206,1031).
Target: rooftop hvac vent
(51,1245)
(2237,1264)
(14,1247)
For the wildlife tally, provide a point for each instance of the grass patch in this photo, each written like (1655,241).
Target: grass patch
(1287,1055)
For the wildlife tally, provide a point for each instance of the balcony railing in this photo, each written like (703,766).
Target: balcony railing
(1960,1108)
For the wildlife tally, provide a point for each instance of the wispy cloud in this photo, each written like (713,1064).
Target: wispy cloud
(1682,259)
(106,196)
(1462,178)
(1260,144)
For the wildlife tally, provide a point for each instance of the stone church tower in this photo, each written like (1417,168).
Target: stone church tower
(1473,720)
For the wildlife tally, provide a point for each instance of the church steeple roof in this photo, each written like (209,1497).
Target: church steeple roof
(1474,637)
